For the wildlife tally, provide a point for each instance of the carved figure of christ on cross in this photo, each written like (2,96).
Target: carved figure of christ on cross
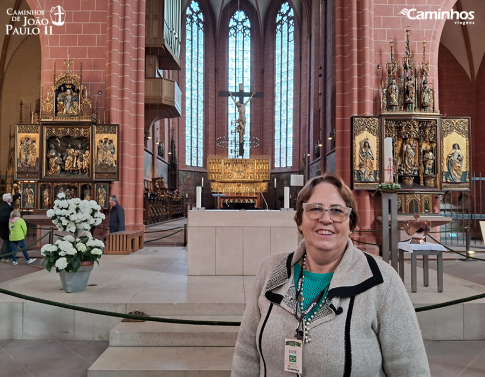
(241,108)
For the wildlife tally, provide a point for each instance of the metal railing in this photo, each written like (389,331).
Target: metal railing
(466,210)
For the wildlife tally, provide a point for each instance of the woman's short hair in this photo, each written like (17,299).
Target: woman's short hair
(344,191)
(15,213)
(6,197)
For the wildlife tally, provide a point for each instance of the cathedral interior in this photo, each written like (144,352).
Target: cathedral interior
(148,100)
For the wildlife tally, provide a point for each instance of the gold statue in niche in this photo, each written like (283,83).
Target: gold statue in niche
(393,93)
(428,159)
(46,199)
(101,196)
(30,196)
(366,161)
(67,101)
(86,161)
(408,166)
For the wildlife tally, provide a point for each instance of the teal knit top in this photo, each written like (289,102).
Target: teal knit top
(313,285)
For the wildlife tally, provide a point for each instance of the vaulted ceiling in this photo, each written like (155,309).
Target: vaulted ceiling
(260,5)
(466,42)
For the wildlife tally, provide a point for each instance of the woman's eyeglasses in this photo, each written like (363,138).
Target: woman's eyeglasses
(316,211)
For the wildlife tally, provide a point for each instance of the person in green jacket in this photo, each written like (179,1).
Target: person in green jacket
(18,230)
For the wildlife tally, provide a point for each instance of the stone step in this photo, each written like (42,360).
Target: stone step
(163,361)
(158,334)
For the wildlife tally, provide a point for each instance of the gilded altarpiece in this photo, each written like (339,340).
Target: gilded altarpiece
(366,152)
(239,176)
(67,151)
(429,153)
(415,150)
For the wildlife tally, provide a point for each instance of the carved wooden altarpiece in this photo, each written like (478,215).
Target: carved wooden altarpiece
(430,152)
(67,150)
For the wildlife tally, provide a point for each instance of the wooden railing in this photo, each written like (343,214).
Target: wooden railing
(162,208)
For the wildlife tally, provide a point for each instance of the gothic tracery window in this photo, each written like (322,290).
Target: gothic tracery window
(239,73)
(194,102)
(284,76)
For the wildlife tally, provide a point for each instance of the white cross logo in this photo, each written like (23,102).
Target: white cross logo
(58,18)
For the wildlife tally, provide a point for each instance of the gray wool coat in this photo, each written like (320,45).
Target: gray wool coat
(367,328)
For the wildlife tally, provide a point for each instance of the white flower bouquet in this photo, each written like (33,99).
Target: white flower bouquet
(388,186)
(69,253)
(75,215)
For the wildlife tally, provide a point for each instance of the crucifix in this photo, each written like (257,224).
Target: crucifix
(68,62)
(241,108)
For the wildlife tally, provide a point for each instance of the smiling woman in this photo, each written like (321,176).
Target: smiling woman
(353,314)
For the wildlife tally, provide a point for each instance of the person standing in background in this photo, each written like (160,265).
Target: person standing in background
(116,215)
(6,208)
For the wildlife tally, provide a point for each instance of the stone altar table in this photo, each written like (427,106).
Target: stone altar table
(234,242)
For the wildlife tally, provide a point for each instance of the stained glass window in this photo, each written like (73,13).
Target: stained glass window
(239,73)
(284,71)
(194,81)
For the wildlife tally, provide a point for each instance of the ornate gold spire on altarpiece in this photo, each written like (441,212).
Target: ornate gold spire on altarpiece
(67,99)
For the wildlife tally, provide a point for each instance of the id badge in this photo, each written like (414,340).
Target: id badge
(293,356)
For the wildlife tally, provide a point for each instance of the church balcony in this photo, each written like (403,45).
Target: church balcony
(163,99)
(166,57)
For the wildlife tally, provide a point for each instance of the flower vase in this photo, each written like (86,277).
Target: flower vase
(75,281)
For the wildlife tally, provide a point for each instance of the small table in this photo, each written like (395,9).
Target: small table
(425,250)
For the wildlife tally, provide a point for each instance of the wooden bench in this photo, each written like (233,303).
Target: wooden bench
(125,242)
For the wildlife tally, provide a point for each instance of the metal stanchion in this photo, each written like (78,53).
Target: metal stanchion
(185,234)
(467,243)
(51,235)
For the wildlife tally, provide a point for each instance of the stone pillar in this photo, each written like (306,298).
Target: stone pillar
(354,83)
(125,91)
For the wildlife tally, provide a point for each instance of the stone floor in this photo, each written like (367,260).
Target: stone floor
(24,358)
(73,358)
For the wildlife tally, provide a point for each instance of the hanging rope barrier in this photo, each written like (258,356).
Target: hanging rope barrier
(186,321)
(367,243)
(449,303)
(26,247)
(156,239)
(114,314)
(456,252)
(163,230)
(450,230)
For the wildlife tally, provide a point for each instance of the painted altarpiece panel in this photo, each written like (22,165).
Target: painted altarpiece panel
(455,159)
(46,196)
(105,154)
(102,194)
(27,137)
(28,191)
(366,152)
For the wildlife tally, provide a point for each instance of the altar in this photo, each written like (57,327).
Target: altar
(66,148)
(235,242)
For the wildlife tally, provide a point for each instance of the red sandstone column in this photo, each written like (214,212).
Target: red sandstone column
(125,93)
(354,46)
